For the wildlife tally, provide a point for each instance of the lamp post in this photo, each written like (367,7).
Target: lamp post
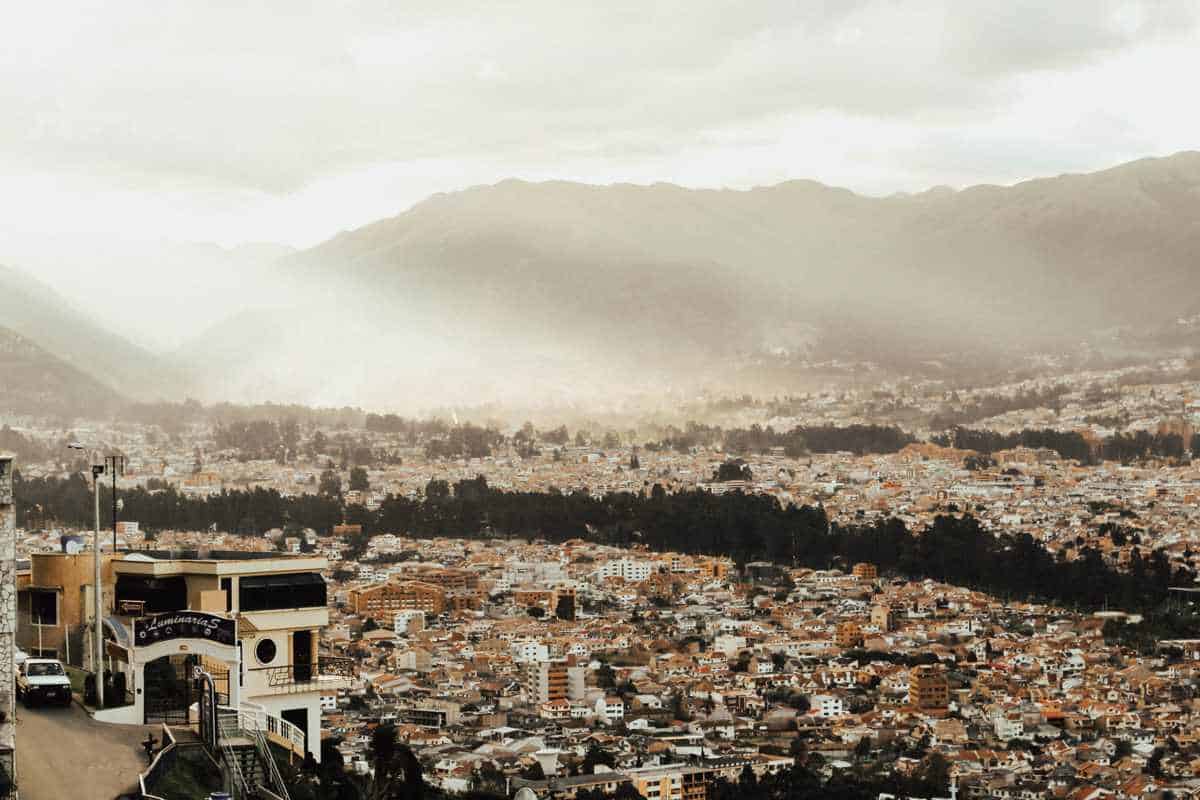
(97,624)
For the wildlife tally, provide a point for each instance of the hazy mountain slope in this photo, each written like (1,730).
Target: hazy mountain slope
(579,291)
(1064,253)
(156,294)
(30,308)
(34,382)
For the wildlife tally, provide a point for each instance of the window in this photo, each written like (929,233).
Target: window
(41,670)
(227,588)
(267,592)
(43,607)
(159,594)
(265,651)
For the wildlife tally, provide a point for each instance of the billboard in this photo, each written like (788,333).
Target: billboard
(183,625)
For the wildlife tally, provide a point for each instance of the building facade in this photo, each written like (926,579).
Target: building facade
(8,626)
(252,623)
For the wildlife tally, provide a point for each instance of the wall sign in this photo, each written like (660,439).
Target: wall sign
(184,625)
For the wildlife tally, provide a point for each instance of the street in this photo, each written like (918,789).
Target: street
(62,754)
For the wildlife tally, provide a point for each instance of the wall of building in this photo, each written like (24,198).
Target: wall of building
(8,618)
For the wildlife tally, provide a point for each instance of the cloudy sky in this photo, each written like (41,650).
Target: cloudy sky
(287,122)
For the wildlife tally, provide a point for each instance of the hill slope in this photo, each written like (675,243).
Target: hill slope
(38,384)
(563,287)
(35,311)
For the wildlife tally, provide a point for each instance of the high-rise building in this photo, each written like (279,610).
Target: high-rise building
(849,634)
(928,688)
(554,680)
(865,571)
(883,617)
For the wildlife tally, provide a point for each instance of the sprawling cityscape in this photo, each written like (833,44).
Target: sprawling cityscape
(624,401)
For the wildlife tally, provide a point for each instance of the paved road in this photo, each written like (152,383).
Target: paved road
(64,753)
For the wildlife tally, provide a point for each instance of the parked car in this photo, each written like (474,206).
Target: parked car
(43,680)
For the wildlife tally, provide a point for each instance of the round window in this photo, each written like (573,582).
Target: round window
(265,651)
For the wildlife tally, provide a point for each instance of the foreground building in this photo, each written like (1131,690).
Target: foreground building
(8,625)
(251,623)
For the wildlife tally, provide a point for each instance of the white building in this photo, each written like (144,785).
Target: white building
(408,621)
(627,569)
(827,706)
(529,650)
(252,623)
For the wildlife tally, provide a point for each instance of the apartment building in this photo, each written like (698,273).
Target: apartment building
(547,681)
(928,688)
(382,601)
(627,569)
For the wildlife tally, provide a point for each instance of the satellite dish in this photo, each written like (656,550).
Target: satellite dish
(525,793)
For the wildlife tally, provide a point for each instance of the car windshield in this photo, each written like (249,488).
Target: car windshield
(38,670)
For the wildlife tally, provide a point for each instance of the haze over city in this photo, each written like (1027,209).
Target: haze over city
(628,401)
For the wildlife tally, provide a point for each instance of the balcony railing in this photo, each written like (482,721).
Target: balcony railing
(306,677)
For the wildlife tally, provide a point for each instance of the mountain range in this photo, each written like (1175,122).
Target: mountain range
(576,290)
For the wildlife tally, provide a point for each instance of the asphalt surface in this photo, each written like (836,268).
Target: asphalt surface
(63,754)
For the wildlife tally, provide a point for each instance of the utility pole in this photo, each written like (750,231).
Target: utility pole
(98,630)
(98,590)
(115,464)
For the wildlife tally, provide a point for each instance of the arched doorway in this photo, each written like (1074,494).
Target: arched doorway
(171,685)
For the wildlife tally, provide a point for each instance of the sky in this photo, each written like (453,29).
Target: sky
(287,122)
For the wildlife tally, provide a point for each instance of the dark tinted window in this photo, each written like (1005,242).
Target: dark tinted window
(267,592)
(159,594)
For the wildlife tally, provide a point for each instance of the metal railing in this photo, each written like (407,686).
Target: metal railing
(241,789)
(306,677)
(251,717)
(162,763)
(278,787)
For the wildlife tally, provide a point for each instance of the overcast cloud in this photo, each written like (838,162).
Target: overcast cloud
(239,122)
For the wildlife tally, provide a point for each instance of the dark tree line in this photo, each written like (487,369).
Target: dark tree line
(993,405)
(1068,444)
(746,527)
(1123,447)
(798,441)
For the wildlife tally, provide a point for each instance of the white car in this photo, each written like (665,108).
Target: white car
(43,680)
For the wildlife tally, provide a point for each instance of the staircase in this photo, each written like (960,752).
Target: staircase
(248,764)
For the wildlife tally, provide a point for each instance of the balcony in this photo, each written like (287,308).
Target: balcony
(328,673)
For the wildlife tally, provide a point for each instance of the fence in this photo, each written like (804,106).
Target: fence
(252,717)
(163,762)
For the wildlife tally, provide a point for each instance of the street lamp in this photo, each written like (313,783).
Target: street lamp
(98,625)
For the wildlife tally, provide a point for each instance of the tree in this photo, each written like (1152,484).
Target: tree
(397,772)
(437,490)
(330,484)
(597,755)
(736,470)
(605,677)
(358,480)
(863,748)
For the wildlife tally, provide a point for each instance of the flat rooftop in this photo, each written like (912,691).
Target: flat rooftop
(207,555)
